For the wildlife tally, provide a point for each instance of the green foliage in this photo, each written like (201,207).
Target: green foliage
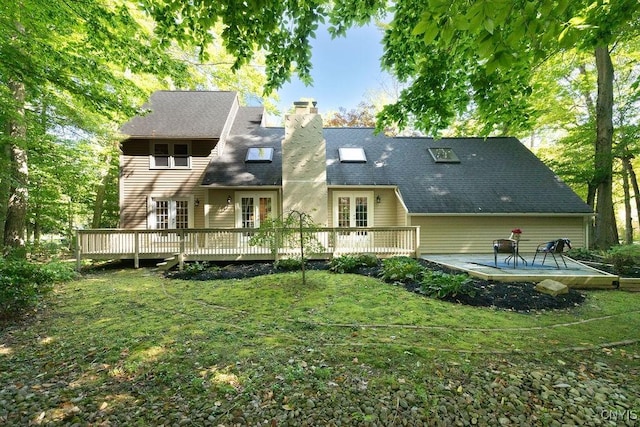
(401,269)
(23,284)
(351,263)
(296,231)
(193,268)
(586,254)
(624,258)
(288,264)
(441,285)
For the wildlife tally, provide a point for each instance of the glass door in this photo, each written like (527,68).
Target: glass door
(353,210)
(252,210)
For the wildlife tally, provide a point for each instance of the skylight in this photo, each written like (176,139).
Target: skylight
(443,155)
(259,155)
(352,155)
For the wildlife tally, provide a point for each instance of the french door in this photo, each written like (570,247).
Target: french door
(170,213)
(353,209)
(253,208)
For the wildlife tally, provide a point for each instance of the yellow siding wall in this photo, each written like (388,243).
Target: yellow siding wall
(475,234)
(385,213)
(220,214)
(139,182)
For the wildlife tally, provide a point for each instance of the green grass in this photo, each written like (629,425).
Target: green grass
(117,332)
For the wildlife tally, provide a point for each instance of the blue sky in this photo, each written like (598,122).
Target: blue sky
(344,70)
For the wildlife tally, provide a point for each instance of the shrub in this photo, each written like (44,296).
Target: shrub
(585,254)
(23,284)
(624,258)
(401,269)
(288,264)
(351,263)
(368,260)
(195,268)
(441,285)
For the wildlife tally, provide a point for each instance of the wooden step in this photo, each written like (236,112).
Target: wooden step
(168,263)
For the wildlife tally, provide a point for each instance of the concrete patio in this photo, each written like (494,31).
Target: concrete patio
(576,275)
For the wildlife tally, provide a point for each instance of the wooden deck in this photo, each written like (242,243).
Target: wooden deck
(575,275)
(236,245)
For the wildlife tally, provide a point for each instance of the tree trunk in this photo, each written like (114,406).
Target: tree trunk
(636,189)
(101,192)
(628,223)
(605,233)
(14,227)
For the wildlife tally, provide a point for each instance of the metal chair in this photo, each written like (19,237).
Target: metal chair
(553,248)
(504,246)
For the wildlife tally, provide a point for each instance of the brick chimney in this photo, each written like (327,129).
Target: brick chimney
(304,169)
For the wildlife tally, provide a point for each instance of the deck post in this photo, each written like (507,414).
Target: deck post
(136,249)
(182,251)
(417,242)
(78,254)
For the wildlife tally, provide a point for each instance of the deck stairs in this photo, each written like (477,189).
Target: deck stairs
(168,263)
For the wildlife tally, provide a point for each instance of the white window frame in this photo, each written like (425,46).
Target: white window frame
(353,195)
(171,154)
(152,222)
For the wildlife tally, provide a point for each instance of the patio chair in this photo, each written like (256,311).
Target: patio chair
(553,248)
(505,246)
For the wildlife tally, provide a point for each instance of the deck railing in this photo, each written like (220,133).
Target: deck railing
(225,244)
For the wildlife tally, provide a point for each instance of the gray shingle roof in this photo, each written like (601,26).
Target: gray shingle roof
(230,169)
(183,114)
(496,175)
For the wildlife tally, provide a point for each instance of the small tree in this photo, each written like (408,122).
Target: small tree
(296,231)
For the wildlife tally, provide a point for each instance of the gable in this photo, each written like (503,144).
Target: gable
(184,115)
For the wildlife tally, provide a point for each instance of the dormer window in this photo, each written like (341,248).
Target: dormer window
(170,155)
(259,155)
(352,155)
(443,155)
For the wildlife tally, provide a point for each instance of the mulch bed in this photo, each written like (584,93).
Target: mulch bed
(516,296)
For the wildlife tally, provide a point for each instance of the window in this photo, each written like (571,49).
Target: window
(352,155)
(259,155)
(169,214)
(444,155)
(170,155)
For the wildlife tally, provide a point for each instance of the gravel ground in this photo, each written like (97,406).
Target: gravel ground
(505,393)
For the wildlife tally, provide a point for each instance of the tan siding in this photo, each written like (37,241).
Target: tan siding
(467,234)
(386,210)
(140,182)
(385,213)
(221,215)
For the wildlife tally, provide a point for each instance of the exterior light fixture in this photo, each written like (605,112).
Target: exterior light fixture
(378,199)
(197,202)
(228,200)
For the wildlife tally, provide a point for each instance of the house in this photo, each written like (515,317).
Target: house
(200,161)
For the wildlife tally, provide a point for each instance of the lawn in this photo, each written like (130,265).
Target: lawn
(132,347)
